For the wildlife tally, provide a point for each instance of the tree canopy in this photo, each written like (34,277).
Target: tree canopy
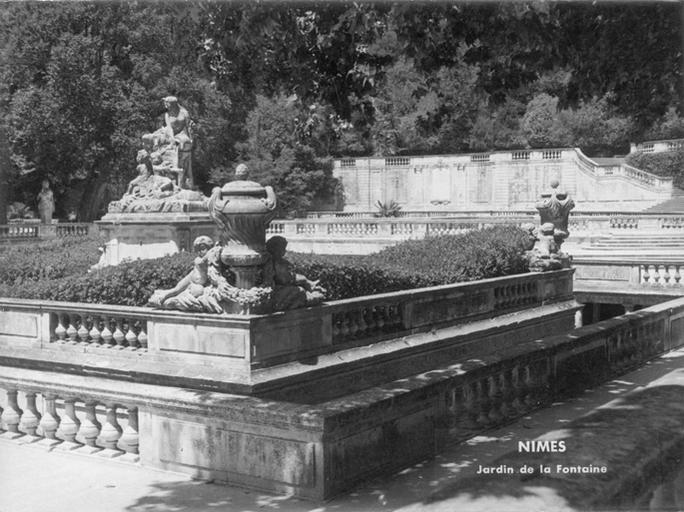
(285,86)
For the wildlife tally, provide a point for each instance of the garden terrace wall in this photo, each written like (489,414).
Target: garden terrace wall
(223,351)
(317,451)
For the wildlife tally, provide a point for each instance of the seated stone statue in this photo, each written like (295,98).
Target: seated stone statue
(190,293)
(290,290)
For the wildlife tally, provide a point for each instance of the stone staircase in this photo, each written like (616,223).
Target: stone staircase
(673,205)
(669,246)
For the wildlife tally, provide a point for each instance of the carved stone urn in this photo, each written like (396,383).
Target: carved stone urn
(242,209)
(554,207)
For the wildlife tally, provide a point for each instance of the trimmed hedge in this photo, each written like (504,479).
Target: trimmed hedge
(49,259)
(128,284)
(490,252)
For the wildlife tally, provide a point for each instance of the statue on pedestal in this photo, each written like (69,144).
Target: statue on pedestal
(46,203)
(554,209)
(165,181)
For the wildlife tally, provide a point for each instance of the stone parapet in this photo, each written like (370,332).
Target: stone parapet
(319,450)
(225,350)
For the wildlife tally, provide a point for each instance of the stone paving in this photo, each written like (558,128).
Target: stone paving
(626,425)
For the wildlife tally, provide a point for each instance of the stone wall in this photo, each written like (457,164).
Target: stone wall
(485,181)
(319,450)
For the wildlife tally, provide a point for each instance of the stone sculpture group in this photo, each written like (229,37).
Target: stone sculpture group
(546,239)
(164,181)
(241,273)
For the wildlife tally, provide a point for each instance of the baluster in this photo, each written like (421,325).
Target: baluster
(131,338)
(531,398)
(60,330)
(142,337)
(71,331)
(645,276)
(494,398)
(470,412)
(657,277)
(677,276)
(118,335)
(483,403)
(106,335)
(49,423)
(517,381)
(30,419)
(110,433)
(82,332)
(394,315)
(368,319)
(69,426)
(379,316)
(11,416)
(653,273)
(90,429)
(95,335)
(507,394)
(353,325)
(344,327)
(336,330)
(130,439)
(361,323)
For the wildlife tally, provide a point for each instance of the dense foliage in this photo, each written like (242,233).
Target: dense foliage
(285,86)
(670,163)
(433,261)
(46,260)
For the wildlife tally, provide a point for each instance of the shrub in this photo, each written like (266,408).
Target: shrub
(127,284)
(670,163)
(433,261)
(49,259)
(490,252)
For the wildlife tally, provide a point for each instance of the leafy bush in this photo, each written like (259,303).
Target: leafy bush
(670,163)
(128,284)
(49,259)
(433,261)
(486,253)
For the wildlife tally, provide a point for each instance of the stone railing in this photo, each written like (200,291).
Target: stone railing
(655,273)
(113,338)
(58,416)
(33,230)
(319,449)
(657,146)
(623,170)
(327,227)
(19,231)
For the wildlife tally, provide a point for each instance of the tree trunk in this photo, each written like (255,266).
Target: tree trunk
(4,173)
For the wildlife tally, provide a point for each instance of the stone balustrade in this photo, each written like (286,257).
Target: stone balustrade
(318,448)
(98,328)
(657,146)
(58,417)
(19,231)
(112,338)
(648,272)
(33,230)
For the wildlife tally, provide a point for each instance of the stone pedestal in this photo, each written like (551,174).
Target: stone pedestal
(132,236)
